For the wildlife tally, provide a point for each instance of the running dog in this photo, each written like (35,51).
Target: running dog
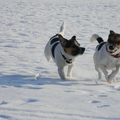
(107,55)
(63,51)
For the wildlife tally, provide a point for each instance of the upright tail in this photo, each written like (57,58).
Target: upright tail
(96,37)
(62,28)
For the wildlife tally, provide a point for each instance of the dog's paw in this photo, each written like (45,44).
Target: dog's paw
(110,79)
(63,78)
(69,75)
(114,80)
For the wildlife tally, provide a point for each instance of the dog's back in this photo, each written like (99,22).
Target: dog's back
(53,42)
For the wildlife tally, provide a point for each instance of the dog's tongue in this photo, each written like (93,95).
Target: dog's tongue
(112,51)
(116,56)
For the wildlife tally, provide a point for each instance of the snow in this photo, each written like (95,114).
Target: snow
(30,87)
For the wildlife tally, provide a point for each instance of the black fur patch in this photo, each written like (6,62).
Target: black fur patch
(54,40)
(99,39)
(100,45)
(53,48)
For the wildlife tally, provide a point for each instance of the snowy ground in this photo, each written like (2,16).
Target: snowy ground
(25,28)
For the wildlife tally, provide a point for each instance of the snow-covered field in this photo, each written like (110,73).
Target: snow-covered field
(25,28)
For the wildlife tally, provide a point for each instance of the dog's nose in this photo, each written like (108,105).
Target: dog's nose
(111,47)
(82,50)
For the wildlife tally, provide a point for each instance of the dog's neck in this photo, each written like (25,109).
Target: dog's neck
(67,58)
(115,56)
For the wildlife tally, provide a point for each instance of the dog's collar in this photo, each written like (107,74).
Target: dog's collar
(115,56)
(69,61)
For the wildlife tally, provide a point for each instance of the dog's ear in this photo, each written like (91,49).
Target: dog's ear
(63,41)
(73,38)
(112,32)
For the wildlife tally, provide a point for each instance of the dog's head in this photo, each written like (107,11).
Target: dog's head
(113,43)
(71,47)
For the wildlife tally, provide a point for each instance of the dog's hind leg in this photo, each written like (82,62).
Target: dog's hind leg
(47,52)
(97,68)
(62,28)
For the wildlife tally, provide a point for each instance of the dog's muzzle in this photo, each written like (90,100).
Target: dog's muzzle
(112,48)
(78,51)
(82,50)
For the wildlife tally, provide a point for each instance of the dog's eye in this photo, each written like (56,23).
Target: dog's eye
(109,40)
(73,46)
(117,42)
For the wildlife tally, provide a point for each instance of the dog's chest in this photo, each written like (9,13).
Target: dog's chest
(106,59)
(112,63)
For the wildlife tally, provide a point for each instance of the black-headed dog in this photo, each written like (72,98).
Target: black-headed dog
(107,55)
(63,51)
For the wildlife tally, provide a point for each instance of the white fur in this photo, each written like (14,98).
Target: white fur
(59,60)
(104,61)
(62,28)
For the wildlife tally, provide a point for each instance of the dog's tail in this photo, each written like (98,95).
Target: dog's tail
(62,28)
(96,37)
(47,52)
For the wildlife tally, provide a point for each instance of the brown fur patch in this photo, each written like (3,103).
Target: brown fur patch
(114,39)
(72,49)
(68,50)
(71,46)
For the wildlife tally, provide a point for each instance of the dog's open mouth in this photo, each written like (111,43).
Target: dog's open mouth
(112,51)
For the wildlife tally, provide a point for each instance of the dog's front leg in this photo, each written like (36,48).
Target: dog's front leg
(61,73)
(104,71)
(69,73)
(113,74)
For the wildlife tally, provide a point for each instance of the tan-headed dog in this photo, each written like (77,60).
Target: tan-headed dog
(107,55)
(63,51)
